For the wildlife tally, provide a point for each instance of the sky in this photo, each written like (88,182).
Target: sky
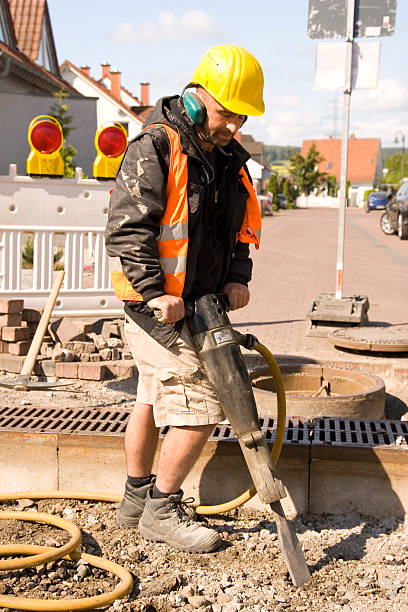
(162,43)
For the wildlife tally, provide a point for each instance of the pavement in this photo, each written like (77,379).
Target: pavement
(297,262)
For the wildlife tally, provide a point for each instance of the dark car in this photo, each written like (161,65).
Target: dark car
(376,200)
(395,218)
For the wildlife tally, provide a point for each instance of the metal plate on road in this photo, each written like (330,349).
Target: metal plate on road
(375,338)
(374,18)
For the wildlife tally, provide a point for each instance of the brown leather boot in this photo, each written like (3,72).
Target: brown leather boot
(133,503)
(171,520)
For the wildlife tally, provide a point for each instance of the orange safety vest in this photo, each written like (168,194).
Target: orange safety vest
(173,237)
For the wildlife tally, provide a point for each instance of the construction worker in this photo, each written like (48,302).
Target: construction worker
(181,218)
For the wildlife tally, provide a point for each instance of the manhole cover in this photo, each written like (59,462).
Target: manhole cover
(392,338)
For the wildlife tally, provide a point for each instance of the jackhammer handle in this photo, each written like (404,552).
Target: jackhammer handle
(189,305)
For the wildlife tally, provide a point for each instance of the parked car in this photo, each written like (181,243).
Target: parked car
(377,200)
(395,218)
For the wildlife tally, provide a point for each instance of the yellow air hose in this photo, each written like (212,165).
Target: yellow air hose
(43,554)
(53,553)
(85,603)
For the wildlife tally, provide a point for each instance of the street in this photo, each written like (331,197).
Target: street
(297,262)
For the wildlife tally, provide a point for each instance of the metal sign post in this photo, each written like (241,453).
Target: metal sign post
(349,19)
(344,148)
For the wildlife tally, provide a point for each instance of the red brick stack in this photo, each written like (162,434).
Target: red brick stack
(16,327)
(72,349)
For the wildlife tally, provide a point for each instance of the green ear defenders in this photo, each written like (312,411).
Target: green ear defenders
(195,108)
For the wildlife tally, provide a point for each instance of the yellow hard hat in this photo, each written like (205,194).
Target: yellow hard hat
(233,77)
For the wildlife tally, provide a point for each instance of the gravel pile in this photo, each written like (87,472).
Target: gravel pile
(357,563)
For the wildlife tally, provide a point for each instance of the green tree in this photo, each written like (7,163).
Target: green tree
(274,153)
(288,194)
(304,170)
(273,188)
(60,111)
(332,186)
(393,165)
(27,255)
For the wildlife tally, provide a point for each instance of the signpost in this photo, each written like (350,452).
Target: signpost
(339,19)
(328,18)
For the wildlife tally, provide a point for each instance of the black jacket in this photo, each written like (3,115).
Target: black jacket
(139,198)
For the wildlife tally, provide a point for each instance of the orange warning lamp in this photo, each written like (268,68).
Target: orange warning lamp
(45,138)
(110,142)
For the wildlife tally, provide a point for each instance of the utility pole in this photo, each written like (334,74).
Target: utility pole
(348,19)
(344,148)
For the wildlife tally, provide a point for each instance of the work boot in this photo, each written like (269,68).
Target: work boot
(170,520)
(132,504)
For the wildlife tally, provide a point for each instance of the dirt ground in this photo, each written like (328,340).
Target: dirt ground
(357,562)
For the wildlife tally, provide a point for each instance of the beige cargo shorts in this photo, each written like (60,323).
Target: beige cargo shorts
(172,380)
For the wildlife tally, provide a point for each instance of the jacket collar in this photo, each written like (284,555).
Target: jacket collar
(169,111)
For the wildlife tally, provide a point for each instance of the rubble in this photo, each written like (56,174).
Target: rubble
(73,348)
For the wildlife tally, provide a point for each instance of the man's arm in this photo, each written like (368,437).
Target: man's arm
(137,204)
(239,275)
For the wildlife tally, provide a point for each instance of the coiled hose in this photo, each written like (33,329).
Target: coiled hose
(38,555)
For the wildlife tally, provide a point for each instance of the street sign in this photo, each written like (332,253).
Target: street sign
(328,18)
(330,67)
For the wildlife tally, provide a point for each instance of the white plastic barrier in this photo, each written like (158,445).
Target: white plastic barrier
(316,201)
(67,214)
(86,289)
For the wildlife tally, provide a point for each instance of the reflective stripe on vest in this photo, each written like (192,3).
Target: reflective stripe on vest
(173,236)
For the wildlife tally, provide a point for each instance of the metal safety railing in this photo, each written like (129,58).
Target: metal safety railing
(87,286)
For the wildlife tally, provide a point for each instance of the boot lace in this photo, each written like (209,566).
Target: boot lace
(185,511)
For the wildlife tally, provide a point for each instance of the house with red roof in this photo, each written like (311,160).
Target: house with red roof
(28,59)
(29,76)
(364,162)
(114,102)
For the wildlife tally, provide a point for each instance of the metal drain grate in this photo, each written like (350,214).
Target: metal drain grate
(112,421)
(359,432)
(296,431)
(64,420)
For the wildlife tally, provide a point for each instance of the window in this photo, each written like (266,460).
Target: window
(2,36)
(329,165)
(44,57)
(402,191)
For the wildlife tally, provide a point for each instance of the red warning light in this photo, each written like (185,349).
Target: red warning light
(112,141)
(46,137)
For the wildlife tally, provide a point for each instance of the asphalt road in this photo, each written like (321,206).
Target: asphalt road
(297,262)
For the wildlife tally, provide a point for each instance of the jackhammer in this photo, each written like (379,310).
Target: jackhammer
(217,345)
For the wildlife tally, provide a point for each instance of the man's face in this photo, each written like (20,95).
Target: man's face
(221,124)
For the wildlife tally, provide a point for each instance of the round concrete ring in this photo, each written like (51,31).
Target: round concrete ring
(366,398)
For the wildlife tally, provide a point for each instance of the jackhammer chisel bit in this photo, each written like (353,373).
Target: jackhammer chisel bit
(219,352)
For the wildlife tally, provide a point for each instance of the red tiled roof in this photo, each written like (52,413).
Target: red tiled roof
(36,73)
(362,158)
(28,18)
(101,87)
(136,99)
